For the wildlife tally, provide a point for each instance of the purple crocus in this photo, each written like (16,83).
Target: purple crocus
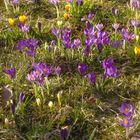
(99,27)
(56,31)
(135,22)
(64,132)
(29,45)
(126,109)
(116,43)
(90,16)
(116,26)
(21,97)
(11,72)
(82,68)
(13,108)
(109,69)
(135,4)
(55,2)
(76,43)
(66,38)
(57,70)
(25,28)
(79,2)
(114,11)
(126,35)
(15,2)
(91,78)
(126,122)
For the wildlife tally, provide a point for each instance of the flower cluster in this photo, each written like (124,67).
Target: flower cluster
(95,36)
(40,71)
(127,110)
(67,42)
(28,45)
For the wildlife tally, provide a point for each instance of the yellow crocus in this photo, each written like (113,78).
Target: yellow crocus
(66,16)
(11,21)
(67,7)
(137,50)
(22,19)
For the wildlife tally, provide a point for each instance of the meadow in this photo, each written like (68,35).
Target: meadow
(69,70)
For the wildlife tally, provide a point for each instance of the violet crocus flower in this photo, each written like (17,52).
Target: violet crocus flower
(116,26)
(13,108)
(86,51)
(57,70)
(116,43)
(15,2)
(126,109)
(25,28)
(76,43)
(90,16)
(135,22)
(66,38)
(64,132)
(91,78)
(21,97)
(126,35)
(79,2)
(114,11)
(126,122)
(31,77)
(56,31)
(11,72)
(29,45)
(109,69)
(99,27)
(135,4)
(55,2)
(82,68)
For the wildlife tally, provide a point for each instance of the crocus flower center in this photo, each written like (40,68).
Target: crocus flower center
(126,121)
(31,77)
(127,109)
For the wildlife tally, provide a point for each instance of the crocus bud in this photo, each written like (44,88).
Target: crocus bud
(59,22)
(66,16)
(137,38)
(59,98)
(50,104)
(11,21)
(6,121)
(38,102)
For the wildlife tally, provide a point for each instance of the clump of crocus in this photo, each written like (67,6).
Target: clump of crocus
(109,68)
(40,71)
(127,110)
(82,68)
(11,21)
(11,72)
(137,50)
(28,45)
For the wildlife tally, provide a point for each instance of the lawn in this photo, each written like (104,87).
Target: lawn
(69,70)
